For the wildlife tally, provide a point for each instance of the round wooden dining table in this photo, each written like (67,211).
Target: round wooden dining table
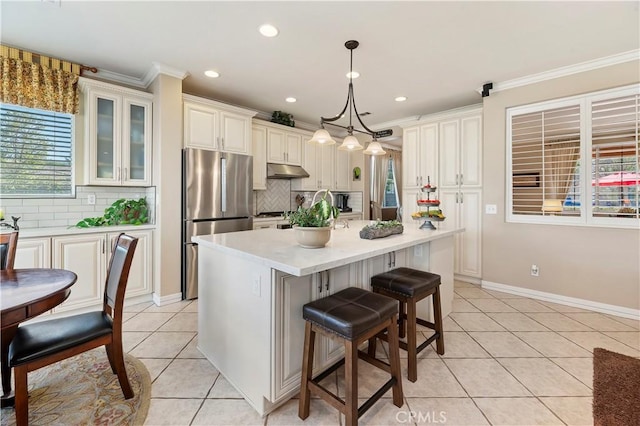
(24,294)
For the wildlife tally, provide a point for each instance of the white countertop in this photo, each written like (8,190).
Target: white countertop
(277,248)
(64,230)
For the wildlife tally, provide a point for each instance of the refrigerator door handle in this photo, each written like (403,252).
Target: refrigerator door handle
(223,183)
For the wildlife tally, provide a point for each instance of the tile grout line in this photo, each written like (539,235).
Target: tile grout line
(512,375)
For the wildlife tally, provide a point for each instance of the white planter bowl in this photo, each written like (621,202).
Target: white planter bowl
(312,237)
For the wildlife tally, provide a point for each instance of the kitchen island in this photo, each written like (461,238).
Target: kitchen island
(253,285)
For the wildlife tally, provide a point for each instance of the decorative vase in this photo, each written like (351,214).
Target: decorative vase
(312,237)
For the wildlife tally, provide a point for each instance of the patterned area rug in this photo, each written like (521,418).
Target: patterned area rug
(616,389)
(82,390)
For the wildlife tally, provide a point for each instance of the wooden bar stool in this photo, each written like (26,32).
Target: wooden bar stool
(354,316)
(409,286)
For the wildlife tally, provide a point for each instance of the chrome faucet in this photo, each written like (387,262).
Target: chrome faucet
(15,226)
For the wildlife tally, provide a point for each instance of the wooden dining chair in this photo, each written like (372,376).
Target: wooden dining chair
(8,243)
(43,343)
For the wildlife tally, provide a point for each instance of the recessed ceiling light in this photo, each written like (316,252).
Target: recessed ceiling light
(401,98)
(268,30)
(212,74)
(291,99)
(353,74)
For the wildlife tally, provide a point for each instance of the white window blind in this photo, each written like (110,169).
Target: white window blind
(615,151)
(545,153)
(35,152)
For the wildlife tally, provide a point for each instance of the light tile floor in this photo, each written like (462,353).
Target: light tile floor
(509,361)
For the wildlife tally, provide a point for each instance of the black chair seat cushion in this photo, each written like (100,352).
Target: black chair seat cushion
(35,341)
(406,281)
(350,312)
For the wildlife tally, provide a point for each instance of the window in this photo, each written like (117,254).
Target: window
(390,190)
(35,153)
(575,160)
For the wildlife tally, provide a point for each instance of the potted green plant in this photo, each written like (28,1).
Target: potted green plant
(312,225)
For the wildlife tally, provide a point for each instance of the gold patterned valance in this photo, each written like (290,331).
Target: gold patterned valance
(37,81)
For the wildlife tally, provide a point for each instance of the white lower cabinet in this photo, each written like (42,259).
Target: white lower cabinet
(84,255)
(33,253)
(291,294)
(462,207)
(140,274)
(383,263)
(88,256)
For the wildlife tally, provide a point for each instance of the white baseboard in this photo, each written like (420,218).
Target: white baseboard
(467,279)
(165,300)
(618,311)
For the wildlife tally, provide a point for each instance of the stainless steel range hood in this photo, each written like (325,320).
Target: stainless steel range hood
(285,171)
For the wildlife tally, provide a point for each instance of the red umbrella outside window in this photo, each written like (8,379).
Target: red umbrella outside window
(617,179)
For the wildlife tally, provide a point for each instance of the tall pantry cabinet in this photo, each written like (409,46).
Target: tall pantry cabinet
(447,147)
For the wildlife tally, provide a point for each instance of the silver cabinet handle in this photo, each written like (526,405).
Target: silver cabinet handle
(328,278)
(461,198)
(222,142)
(394,259)
(420,180)
(320,281)
(125,174)
(104,243)
(417,184)
(456,198)
(389,264)
(118,174)
(461,179)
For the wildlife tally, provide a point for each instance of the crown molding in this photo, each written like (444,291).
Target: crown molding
(157,68)
(114,77)
(442,115)
(632,55)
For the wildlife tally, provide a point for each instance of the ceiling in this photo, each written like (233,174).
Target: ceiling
(437,54)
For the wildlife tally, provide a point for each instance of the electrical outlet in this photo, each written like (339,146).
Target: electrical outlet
(535,271)
(91,199)
(417,250)
(491,209)
(255,288)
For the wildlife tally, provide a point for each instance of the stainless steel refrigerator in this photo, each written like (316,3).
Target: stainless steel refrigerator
(217,197)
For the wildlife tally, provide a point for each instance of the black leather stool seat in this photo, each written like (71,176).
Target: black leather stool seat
(38,340)
(350,312)
(406,281)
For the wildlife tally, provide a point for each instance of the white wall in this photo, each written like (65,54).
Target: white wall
(596,264)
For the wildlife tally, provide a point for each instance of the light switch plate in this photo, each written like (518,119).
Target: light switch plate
(491,209)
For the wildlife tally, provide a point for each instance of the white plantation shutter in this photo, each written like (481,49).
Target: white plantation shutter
(35,152)
(615,150)
(545,151)
(576,161)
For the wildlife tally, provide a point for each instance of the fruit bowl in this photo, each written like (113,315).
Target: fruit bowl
(428,202)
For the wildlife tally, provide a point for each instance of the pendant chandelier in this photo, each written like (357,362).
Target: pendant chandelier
(350,143)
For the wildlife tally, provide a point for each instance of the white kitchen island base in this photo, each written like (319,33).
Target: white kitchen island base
(253,284)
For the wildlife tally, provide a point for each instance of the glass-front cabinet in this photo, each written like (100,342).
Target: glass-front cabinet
(117,136)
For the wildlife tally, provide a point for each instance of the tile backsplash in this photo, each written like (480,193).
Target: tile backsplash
(279,197)
(52,212)
(276,198)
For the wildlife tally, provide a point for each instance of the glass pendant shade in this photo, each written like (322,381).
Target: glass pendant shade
(350,143)
(322,137)
(374,148)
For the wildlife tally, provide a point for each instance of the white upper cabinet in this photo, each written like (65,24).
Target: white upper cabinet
(461,152)
(284,146)
(420,156)
(343,171)
(319,162)
(216,126)
(259,141)
(117,135)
